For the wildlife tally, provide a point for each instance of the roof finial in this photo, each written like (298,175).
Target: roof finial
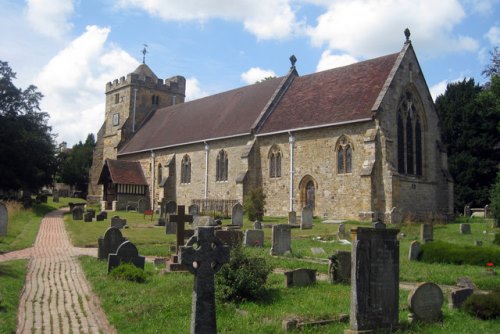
(407,35)
(144,51)
(293,60)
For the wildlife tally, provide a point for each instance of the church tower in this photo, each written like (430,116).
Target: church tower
(130,101)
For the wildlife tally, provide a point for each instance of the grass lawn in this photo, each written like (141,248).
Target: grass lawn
(12,274)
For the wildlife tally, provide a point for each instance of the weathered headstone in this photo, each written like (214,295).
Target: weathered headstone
(414,251)
(92,212)
(117,222)
(341,234)
(465,229)
(237,215)
(109,242)
(100,217)
(378,225)
(281,239)
(426,232)
(458,296)
(204,261)
(257,225)
(339,268)
(126,253)
(170,227)
(467,211)
(77,213)
(142,205)
(292,217)
(374,280)
(194,209)
(254,238)
(306,221)
(425,302)
(232,238)
(103,214)
(300,277)
(487,211)
(4,219)
(55,196)
(203,221)
(87,217)
(171,207)
(161,222)
(27,201)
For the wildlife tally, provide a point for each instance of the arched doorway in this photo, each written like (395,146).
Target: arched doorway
(307,188)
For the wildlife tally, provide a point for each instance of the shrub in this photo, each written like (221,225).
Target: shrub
(485,306)
(495,198)
(443,252)
(243,278)
(129,272)
(254,204)
(496,241)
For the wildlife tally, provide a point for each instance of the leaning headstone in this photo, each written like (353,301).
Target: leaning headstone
(194,209)
(77,213)
(237,215)
(374,280)
(424,303)
(55,196)
(4,219)
(203,262)
(339,268)
(281,239)
(292,217)
(117,222)
(109,242)
(87,217)
(300,277)
(306,221)
(254,238)
(458,296)
(232,238)
(426,233)
(257,225)
(465,229)
(126,253)
(414,251)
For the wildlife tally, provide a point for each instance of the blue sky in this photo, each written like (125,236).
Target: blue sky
(70,49)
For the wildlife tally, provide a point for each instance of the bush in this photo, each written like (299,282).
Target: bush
(484,306)
(254,204)
(243,278)
(495,198)
(443,252)
(496,241)
(129,272)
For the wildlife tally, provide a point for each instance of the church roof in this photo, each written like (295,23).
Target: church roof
(143,70)
(123,172)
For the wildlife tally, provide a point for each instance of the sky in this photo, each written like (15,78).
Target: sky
(70,49)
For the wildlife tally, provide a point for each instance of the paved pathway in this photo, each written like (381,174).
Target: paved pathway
(57,297)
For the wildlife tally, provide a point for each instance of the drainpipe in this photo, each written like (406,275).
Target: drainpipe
(291,141)
(153,168)
(206,170)
(133,110)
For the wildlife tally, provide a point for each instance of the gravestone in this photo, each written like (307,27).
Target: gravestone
(103,214)
(465,229)
(281,239)
(414,251)
(257,225)
(374,280)
(339,267)
(194,209)
(292,217)
(467,211)
(426,232)
(487,211)
(341,234)
(300,277)
(117,222)
(109,243)
(237,215)
(378,225)
(126,253)
(142,205)
(55,196)
(161,222)
(232,238)
(306,221)
(4,219)
(100,217)
(203,262)
(163,204)
(254,238)
(458,296)
(203,221)
(179,219)
(87,217)
(77,213)
(424,303)
(92,212)
(171,207)
(170,227)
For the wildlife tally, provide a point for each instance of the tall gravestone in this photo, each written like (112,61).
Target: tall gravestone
(374,280)
(55,196)
(237,215)
(126,253)
(306,221)
(414,250)
(426,233)
(281,239)
(339,268)
(203,262)
(4,219)
(292,217)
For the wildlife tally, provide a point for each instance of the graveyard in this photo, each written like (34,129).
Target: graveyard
(163,302)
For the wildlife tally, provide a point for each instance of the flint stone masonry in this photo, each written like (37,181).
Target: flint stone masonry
(414,251)
(425,302)
(300,277)
(339,267)
(281,239)
(426,233)
(4,219)
(465,229)
(458,296)
(231,238)
(374,280)
(254,238)
(306,220)
(117,222)
(126,253)
(77,213)
(237,215)
(109,243)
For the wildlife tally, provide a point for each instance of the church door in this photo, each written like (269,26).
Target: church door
(307,188)
(310,195)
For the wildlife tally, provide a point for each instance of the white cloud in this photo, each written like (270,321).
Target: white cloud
(493,35)
(270,19)
(484,7)
(193,90)
(256,74)
(74,80)
(329,61)
(440,87)
(367,28)
(50,18)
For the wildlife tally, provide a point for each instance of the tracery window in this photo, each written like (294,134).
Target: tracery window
(409,133)
(221,167)
(275,162)
(344,156)
(186,169)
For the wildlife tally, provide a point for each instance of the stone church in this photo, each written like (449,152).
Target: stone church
(356,142)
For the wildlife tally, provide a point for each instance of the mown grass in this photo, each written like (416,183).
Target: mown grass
(12,276)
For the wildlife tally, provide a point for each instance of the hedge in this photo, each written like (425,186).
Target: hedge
(443,252)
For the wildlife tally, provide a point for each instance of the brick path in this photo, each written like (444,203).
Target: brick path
(56,297)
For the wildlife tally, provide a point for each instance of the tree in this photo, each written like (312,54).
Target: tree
(495,199)
(26,143)
(494,67)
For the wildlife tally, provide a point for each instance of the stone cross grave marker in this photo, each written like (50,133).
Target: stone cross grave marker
(414,250)
(306,221)
(237,215)
(4,219)
(77,213)
(465,229)
(292,217)
(426,232)
(425,302)
(109,243)
(374,280)
(204,261)
(281,239)
(126,253)
(180,219)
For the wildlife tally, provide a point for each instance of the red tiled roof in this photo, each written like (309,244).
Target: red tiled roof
(222,115)
(334,96)
(124,172)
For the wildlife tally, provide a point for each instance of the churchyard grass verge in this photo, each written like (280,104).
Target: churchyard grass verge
(12,276)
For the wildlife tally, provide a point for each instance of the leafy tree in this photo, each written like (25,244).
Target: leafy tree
(26,143)
(254,204)
(494,67)
(495,199)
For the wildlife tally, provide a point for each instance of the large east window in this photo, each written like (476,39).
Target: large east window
(409,133)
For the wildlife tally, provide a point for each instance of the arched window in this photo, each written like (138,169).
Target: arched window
(344,156)
(401,143)
(409,145)
(160,173)
(186,169)
(418,147)
(221,166)
(275,162)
